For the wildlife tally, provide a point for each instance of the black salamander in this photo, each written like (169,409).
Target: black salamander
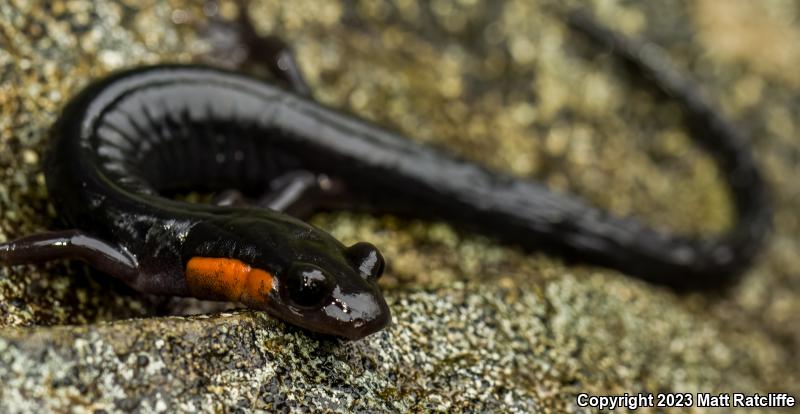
(134,136)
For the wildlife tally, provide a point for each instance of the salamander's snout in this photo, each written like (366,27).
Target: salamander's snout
(356,315)
(340,298)
(358,308)
(363,310)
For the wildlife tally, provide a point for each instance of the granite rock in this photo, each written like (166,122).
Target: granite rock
(478,326)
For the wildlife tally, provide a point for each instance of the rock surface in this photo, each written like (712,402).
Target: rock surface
(478,326)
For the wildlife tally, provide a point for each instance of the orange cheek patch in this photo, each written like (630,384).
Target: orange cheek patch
(227,279)
(257,287)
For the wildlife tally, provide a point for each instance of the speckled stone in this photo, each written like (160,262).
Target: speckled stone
(478,326)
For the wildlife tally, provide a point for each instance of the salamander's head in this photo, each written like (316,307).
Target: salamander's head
(292,270)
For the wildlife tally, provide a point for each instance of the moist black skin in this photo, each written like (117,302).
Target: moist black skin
(141,133)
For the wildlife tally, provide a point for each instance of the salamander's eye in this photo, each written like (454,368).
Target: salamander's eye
(366,259)
(307,285)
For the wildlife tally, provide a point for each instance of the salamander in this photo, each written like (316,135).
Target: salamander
(129,139)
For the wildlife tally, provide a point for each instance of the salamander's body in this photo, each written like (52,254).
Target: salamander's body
(150,131)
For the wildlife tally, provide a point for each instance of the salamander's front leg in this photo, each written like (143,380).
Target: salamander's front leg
(71,244)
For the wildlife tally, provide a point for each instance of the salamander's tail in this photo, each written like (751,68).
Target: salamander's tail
(677,261)
(529,214)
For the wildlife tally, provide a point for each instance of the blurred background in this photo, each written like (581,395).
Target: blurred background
(478,325)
